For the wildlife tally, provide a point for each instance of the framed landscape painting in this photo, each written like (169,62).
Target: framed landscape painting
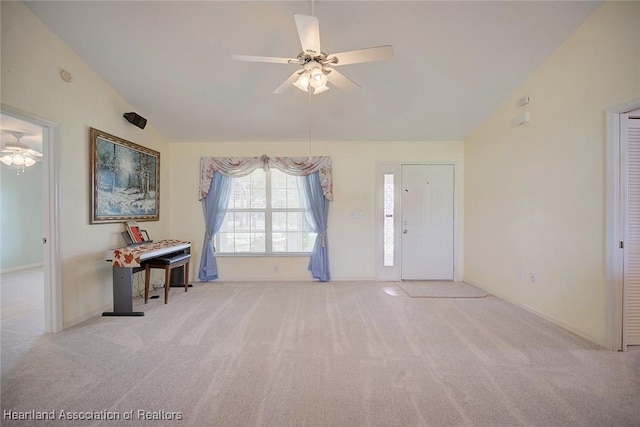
(125,180)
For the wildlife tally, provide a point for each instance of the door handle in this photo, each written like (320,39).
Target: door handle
(404,231)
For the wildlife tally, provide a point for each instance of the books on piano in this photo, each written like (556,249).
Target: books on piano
(134,232)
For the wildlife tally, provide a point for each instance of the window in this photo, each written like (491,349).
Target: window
(389,225)
(264,216)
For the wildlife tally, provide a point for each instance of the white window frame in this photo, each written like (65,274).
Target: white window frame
(268,229)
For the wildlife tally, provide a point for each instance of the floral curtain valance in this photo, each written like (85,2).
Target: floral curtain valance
(242,166)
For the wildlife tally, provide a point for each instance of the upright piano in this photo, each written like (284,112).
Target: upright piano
(128,260)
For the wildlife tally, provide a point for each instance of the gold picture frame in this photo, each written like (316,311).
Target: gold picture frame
(125,180)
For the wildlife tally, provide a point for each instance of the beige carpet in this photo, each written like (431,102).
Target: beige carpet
(435,289)
(21,314)
(321,354)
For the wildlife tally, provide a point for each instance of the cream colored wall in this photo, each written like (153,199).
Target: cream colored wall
(352,241)
(32,58)
(534,195)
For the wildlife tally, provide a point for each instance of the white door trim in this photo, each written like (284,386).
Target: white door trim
(51,217)
(395,273)
(614,257)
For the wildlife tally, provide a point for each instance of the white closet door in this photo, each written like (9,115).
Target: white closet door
(631,128)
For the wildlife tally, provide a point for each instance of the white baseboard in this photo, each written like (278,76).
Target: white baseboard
(22,267)
(544,316)
(87,316)
(288,279)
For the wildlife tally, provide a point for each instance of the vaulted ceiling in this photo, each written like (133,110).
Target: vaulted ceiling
(454,63)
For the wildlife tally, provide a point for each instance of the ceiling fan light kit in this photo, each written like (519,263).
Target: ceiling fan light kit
(19,154)
(316,64)
(313,76)
(18,160)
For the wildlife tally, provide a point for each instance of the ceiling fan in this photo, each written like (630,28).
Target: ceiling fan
(317,66)
(16,153)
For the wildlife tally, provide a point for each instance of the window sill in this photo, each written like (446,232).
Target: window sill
(272,255)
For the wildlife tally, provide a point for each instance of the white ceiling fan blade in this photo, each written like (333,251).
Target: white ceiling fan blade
(361,55)
(273,59)
(33,153)
(341,81)
(309,32)
(288,84)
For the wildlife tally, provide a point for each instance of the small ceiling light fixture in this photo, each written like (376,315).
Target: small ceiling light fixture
(19,154)
(303,82)
(313,76)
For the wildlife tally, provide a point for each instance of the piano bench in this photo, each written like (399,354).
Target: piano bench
(167,263)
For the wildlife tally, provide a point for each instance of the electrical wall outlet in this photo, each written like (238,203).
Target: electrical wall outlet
(532,277)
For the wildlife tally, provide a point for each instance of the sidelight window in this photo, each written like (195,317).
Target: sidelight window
(388,221)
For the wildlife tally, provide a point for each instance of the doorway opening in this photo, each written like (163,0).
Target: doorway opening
(416,222)
(46,268)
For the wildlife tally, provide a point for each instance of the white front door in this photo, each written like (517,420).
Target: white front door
(427,222)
